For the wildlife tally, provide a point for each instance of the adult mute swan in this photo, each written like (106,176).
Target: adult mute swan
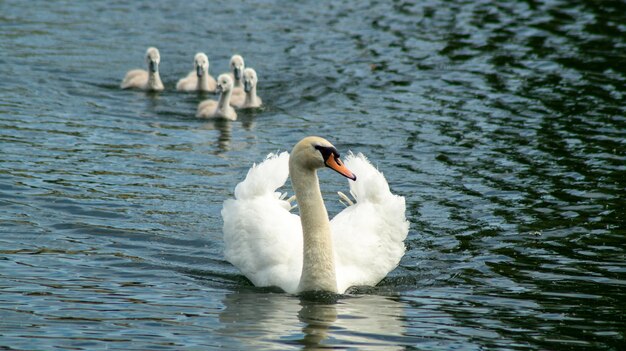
(220,108)
(273,247)
(149,80)
(199,79)
(250,99)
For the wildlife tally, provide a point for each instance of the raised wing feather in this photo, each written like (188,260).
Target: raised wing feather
(262,238)
(369,235)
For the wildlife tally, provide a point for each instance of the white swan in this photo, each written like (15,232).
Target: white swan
(250,99)
(199,79)
(221,108)
(273,247)
(149,80)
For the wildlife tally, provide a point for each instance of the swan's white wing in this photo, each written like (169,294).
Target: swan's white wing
(261,237)
(369,235)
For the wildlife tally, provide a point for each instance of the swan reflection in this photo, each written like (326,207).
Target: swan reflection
(265,320)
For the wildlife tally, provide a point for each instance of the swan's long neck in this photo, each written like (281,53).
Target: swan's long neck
(154,81)
(203,81)
(318,266)
(251,97)
(224,102)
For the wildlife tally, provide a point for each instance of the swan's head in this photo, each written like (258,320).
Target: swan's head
(249,79)
(224,83)
(237,66)
(153,58)
(201,63)
(315,152)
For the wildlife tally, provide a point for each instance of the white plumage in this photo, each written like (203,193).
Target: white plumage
(265,240)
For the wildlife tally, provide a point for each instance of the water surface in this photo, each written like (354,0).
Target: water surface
(502,123)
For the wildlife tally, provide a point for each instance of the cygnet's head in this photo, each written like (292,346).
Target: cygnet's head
(201,63)
(249,79)
(224,83)
(153,58)
(237,66)
(314,152)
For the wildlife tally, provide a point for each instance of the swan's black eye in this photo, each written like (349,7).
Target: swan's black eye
(327,151)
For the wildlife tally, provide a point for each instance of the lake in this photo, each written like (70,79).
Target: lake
(503,124)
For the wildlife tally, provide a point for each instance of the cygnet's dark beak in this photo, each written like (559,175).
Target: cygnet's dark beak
(247,86)
(237,73)
(154,66)
(199,71)
(219,89)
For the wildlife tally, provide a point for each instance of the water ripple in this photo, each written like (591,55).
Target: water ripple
(501,123)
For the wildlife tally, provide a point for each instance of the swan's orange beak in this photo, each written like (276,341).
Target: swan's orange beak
(336,164)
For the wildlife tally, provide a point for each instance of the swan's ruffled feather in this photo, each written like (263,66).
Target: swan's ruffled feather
(369,235)
(262,238)
(265,177)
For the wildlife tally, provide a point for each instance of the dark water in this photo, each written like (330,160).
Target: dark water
(502,123)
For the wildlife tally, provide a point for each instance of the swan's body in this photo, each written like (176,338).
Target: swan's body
(220,108)
(149,80)
(250,99)
(273,247)
(199,79)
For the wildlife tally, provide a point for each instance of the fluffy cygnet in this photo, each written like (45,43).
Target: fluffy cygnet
(237,66)
(198,79)
(236,70)
(250,99)
(221,108)
(145,80)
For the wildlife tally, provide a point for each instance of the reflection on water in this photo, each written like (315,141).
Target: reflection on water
(318,319)
(224,128)
(370,321)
